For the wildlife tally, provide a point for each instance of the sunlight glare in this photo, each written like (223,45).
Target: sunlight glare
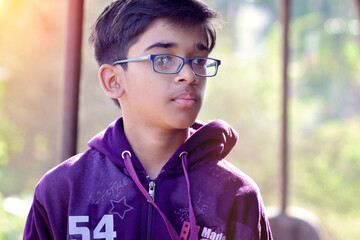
(1,7)
(16,206)
(252,20)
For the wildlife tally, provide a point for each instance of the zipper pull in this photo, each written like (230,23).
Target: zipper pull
(152,190)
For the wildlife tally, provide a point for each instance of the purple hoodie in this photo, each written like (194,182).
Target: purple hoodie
(105,193)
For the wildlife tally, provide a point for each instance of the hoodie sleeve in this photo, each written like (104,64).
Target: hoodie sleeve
(247,218)
(265,232)
(37,224)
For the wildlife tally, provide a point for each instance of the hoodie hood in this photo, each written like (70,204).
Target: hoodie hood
(207,142)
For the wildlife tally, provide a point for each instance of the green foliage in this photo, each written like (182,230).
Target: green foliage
(11,226)
(4,156)
(4,149)
(325,126)
(326,170)
(10,143)
(333,153)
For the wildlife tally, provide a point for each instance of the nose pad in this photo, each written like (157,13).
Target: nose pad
(186,74)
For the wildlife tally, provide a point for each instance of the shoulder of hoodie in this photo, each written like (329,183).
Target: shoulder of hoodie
(66,172)
(245,192)
(246,185)
(248,199)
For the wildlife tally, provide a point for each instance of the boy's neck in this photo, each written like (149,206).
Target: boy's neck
(154,147)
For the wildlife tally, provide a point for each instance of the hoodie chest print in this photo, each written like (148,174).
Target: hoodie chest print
(205,233)
(201,208)
(120,208)
(114,190)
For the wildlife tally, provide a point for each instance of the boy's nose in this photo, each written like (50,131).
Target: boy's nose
(186,75)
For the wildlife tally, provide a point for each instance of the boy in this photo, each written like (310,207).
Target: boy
(154,173)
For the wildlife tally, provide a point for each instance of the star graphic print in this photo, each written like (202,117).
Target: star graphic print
(120,207)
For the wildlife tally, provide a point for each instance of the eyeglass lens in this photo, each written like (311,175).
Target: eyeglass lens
(172,64)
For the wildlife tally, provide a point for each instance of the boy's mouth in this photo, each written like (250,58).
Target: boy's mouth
(185,99)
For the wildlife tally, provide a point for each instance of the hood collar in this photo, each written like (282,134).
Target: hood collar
(208,142)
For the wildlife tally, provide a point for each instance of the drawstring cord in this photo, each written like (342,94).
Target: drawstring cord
(126,155)
(193,227)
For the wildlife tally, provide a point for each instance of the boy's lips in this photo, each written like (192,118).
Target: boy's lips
(186,99)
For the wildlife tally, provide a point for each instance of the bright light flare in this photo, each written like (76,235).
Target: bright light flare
(1,7)
(16,206)
(251,21)
(335,26)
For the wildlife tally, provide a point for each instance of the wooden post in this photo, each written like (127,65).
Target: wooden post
(357,9)
(284,121)
(72,78)
(290,223)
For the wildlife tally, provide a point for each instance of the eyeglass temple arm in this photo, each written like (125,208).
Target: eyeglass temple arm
(132,60)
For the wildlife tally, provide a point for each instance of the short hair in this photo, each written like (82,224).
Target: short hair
(122,22)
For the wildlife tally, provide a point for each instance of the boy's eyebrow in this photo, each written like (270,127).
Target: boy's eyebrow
(161,45)
(198,46)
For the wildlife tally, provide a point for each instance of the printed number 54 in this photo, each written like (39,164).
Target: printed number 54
(106,222)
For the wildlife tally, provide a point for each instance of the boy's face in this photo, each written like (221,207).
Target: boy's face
(164,101)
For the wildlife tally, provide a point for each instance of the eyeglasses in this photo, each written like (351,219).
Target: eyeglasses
(172,64)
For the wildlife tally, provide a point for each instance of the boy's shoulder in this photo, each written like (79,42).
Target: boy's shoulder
(70,171)
(70,165)
(220,175)
(232,181)
(238,174)
(227,171)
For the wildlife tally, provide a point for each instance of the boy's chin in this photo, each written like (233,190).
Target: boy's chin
(184,123)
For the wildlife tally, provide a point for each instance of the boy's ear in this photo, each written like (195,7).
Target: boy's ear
(109,80)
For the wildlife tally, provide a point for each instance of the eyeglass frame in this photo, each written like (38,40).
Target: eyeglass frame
(184,61)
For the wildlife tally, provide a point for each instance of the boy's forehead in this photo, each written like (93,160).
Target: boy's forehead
(163,34)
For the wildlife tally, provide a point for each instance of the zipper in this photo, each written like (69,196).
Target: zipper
(152,190)
(150,209)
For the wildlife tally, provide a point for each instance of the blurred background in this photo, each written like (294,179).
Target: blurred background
(324,104)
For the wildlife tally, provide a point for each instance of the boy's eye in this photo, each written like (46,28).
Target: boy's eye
(163,62)
(200,61)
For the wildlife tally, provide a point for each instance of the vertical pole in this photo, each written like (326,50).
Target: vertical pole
(284,124)
(72,77)
(357,9)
